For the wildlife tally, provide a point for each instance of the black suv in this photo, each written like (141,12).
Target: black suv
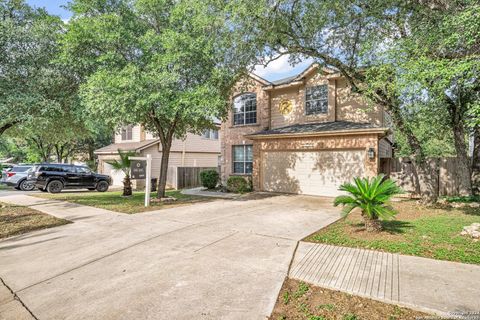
(54,178)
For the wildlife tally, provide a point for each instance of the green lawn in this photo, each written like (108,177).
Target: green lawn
(112,200)
(16,220)
(4,187)
(417,230)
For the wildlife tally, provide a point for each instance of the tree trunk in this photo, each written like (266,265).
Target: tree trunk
(457,112)
(426,173)
(372,225)
(464,170)
(59,153)
(127,186)
(475,164)
(162,181)
(5,127)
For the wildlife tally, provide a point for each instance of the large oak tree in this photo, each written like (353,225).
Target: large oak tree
(165,65)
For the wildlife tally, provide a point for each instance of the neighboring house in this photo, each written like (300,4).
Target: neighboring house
(195,151)
(304,134)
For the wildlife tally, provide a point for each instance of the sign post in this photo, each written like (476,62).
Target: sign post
(141,168)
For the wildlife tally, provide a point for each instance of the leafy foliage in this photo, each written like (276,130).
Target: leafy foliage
(168,66)
(209,178)
(238,184)
(123,164)
(370,195)
(29,82)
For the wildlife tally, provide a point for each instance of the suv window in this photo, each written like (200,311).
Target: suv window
(20,168)
(83,170)
(53,168)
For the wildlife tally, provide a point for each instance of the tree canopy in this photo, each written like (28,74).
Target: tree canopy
(166,65)
(29,83)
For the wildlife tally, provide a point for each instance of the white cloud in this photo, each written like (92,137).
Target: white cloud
(281,68)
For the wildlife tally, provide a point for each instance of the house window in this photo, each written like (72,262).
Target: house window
(210,134)
(242,159)
(245,109)
(127,133)
(316,100)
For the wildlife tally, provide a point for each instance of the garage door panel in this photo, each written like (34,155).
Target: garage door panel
(315,173)
(116,175)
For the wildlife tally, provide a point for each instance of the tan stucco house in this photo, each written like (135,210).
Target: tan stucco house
(193,151)
(304,134)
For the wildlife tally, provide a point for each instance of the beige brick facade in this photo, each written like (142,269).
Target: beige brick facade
(342,106)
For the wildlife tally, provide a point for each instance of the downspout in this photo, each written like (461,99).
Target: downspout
(269,110)
(335,101)
(183,152)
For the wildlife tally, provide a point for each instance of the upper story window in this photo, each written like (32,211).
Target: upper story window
(316,100)
(210,134)
(245,109)
(127,132)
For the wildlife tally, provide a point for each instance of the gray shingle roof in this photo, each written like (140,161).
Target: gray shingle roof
(283,80)
(127,146)
(318,127)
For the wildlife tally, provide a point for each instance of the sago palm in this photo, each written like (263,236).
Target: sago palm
(123,164)
(371,195)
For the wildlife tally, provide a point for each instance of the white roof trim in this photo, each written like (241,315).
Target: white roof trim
(259,79)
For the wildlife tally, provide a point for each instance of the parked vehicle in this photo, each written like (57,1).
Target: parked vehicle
(17,177)
(54,178)
(4,168)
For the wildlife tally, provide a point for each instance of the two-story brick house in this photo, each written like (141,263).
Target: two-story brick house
(304,134)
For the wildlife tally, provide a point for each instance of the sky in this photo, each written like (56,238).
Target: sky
(53,7)
(275,70)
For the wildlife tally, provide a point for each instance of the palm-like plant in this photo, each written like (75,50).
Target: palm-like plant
(123,164)
(371,196)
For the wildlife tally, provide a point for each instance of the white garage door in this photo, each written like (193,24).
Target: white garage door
(311,172)
(117,175)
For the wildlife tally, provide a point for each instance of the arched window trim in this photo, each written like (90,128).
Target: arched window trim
(245,112)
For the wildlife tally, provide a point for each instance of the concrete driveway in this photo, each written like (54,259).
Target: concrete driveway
(218,260)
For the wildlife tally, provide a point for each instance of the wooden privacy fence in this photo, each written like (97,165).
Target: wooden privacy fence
(443,173)
(185,177)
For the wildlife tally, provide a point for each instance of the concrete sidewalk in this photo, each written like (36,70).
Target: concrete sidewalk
(200,191)
(424,284)
(216,260)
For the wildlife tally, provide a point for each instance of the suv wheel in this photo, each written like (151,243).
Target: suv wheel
(26,186)
(55,186)
(102,186)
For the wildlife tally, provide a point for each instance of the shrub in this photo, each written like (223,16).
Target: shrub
(371,196)
(466,199)
(209,178)
(238,184)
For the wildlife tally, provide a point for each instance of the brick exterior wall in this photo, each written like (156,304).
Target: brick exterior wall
(342,105)
(235,135)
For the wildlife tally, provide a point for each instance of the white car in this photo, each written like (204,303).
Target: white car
(17,177)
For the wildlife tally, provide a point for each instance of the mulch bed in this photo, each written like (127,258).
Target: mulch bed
(16,220)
